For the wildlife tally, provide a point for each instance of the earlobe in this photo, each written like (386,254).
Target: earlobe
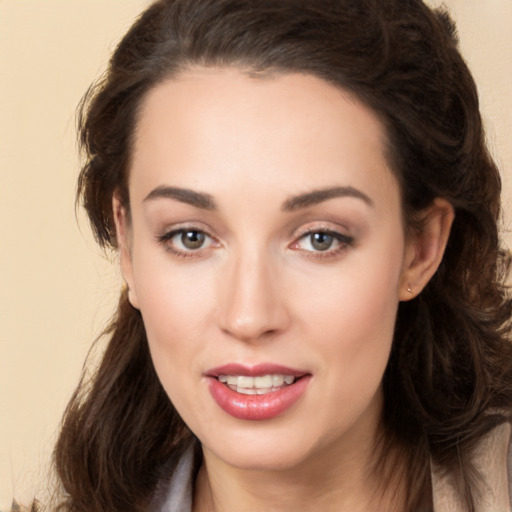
(123,245)
(425,249)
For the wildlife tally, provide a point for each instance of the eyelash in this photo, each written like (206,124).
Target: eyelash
(166,238)
(344,241)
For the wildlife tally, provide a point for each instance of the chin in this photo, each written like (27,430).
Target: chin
(262,451)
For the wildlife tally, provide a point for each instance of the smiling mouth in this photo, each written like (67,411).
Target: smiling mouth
(260,385)
(258,392)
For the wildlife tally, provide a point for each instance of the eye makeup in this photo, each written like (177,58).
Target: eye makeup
(187,241)
(321,242)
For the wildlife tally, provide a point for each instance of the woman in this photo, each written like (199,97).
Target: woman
(306,217)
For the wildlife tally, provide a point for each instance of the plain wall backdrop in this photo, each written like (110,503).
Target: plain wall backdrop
(57,289)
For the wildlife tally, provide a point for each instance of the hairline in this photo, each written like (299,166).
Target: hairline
(257,72)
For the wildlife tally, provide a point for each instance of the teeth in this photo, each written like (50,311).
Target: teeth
(246,391)
(263,382)
(277,380)
(263,391)
(256,385)
(245,382)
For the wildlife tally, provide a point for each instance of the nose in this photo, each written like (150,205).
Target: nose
(253,306)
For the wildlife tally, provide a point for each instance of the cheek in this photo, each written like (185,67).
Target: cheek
(354,334)
(176,304)
(360,294)
(350,326)
(172,295)
(350,313)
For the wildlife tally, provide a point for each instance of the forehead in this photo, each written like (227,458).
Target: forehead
(290,132)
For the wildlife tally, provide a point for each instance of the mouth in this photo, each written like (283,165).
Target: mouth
(258,392)
(262,385)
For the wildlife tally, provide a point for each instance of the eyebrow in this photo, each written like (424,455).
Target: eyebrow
(206,201)
(184,195)
(319,196)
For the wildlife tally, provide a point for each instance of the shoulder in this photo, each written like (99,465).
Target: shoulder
(493,459)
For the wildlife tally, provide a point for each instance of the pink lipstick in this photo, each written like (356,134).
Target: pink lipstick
(258,392)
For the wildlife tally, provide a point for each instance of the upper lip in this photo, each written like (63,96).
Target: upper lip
(256,370)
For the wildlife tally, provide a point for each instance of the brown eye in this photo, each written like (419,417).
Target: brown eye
(192,239)
(321,241)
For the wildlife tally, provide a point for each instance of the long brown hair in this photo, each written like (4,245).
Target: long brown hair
(449,378)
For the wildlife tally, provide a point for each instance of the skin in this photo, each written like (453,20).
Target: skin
(259,290)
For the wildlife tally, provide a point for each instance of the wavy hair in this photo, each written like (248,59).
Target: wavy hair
(449,377)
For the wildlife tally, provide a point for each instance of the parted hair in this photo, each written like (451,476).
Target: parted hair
(449,377)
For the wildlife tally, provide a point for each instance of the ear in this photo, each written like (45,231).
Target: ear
(123,236)
(424,249)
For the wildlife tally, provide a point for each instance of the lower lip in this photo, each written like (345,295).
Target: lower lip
(257,407)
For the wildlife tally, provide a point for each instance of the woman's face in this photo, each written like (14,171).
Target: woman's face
(265,247)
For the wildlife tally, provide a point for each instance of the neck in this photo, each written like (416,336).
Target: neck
(338,477)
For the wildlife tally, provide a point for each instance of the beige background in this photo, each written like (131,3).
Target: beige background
(56,288)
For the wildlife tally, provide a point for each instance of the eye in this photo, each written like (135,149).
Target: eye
(192,239)
(185,241)
(322,241)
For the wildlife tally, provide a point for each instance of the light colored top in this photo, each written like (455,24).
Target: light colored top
(493,459)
